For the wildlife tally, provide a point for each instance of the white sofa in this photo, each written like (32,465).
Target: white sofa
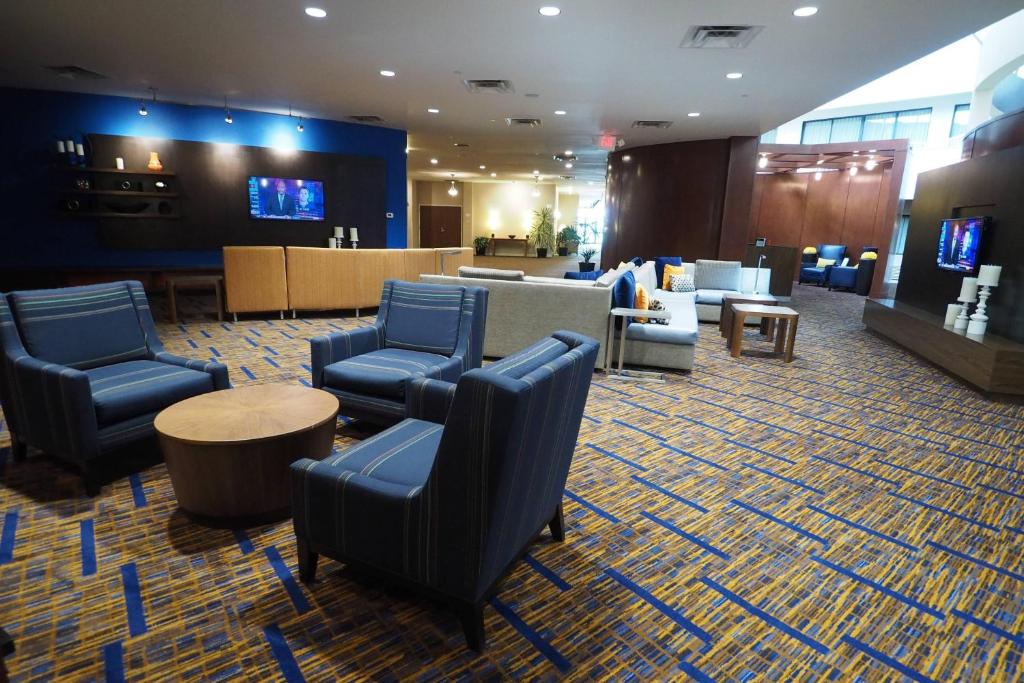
(709,299)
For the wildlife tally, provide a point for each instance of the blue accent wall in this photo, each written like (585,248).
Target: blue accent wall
(33,234)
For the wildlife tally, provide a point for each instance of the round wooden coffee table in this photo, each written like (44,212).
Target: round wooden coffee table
(228,451)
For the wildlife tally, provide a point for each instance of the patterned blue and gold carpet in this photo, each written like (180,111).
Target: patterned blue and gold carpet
(854,515)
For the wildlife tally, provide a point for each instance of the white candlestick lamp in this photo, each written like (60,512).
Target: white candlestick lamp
(354,237)
(968,295)
(988,277)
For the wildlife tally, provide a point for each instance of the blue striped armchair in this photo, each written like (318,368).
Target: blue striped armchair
(84,372)
(448,499)
(422,330)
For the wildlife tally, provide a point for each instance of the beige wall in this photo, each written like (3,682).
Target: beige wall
(568,210)
(506,208)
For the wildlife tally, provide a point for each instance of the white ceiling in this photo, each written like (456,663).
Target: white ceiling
(606,62)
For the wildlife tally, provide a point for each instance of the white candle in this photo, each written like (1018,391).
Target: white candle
(60,146)
(969,290)
(339,232)
(353,235)
(330,243)
(119,162)
(70,146)
(80,150)
(989,275)
(952,311)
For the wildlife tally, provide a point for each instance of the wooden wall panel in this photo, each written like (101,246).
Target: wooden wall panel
(862,211)
(826,209)
(739,188)
(781,214)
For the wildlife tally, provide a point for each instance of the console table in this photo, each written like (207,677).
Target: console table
(510,240)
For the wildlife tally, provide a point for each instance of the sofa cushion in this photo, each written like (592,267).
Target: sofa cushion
(423,317)
(709,274)
(576,275)
(491,273)
(608,278)
(659,266)
(80,327)
(125,390)
(645,275)
(624,291)
(530,358)
(832,251)
(402,455)
(673,271)
(383,373)
(681,283)
(713,297)
(682,328)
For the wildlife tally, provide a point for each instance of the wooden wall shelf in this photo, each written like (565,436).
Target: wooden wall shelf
(96,169)
(991,363)
(122,193)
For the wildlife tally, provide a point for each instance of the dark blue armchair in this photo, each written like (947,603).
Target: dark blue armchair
(83,372)
(819,276)
(447,500)
(422,330)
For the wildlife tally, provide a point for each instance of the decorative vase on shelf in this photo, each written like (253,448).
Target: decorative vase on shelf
(154,162)
(988,277)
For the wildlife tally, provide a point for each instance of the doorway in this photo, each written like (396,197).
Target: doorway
(440,226)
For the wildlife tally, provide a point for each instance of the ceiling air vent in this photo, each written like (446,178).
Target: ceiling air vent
(489,85)
(72,72)
(651,124)
(366,118)
(564,157)
(523,122)
(460,144)
(567,177)
(721,37)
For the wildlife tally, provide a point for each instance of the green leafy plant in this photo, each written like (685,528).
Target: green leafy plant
(542,234)
(567,236)
(481,243)
(587,254)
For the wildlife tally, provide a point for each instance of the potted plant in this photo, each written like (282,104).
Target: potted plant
(481,244)
(568,238)
(542,234)
(586,265)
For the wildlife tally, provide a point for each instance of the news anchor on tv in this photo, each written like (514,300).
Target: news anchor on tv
(280,203)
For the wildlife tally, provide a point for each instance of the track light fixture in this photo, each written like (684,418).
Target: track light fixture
(227,112)
(142,103)
(300,127)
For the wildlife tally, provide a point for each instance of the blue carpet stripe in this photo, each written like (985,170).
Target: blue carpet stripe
(789,525)
(755,449)
(711,388)
(244,543)
(695,673)
(1019,496)
(765,617)
(986,463)
(881,588)
(113,662)
(283,654)
(247,371)
(660,393)
(607,388)
(739,414)
(534,638)
(886,659)
(290,586)
(790,480)
(702,424)
(643,407)
(271,362)
(981,563)
(637,429)
(907,435)
(673,496)
(138,494)
(7,537)
(87,534)
(919,473)
(593,508)
(872,475)
(691,456)
(853,441)
(547,573)
(861,527)
(961,437)
(621,459)
(944,511)
(673,614)
(688,536)
(814,418)
(991,628)
(133,600)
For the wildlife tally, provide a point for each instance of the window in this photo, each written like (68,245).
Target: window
(899,240)
(769,137)
(911,124)
(961,113)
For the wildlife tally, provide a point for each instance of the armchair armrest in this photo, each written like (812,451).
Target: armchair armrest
(218,371)
(338,346)
(429,399)
(57,412)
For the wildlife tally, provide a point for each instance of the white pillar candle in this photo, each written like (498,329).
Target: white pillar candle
(70,146)
(80,150)
(969,290)
(952,311)
(989,276)
(60,147)
(353,235)
(339,232)
(119,163)
(330,243)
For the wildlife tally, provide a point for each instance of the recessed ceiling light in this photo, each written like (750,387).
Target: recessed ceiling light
(568,164)
(590,182)
(493,174)
(550,11)
(432,110)
(316,12)
(805,11)
(733,75)
(482,167)
(536,172)
(568,152)
(625,158)
(433,161)
(693,114)
(559,112)
(387,73)
(819,162)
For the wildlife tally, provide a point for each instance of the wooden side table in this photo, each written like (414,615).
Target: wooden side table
(725,322)
(175,282)
(785,318)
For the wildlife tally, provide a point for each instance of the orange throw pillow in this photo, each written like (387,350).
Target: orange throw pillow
(670,270)
(641,301)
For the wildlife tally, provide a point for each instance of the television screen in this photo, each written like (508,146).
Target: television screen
(959,241)
(286,199)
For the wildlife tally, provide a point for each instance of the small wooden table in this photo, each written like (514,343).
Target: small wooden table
(510,240)
(175,282)
(725,322)
(228,451)
(785,337)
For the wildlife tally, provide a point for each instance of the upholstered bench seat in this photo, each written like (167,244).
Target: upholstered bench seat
(387,372)
(125,390)
(713,297)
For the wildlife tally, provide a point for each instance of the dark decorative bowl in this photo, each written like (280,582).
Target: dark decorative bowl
(122,207)
(511,237)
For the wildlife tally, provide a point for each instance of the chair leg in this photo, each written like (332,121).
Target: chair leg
(557,524)
(472,617)
(307,561)
(19,449)
(91,480)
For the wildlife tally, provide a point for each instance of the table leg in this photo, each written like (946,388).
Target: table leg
(220,302)
(764,325)
(770,330)
(737,333)
(780,335)
(792,340)
(608,367)
(725,322)
(622,343)
(172,303)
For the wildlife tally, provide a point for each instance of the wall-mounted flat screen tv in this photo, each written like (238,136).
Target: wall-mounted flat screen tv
(286,198)
(959,243)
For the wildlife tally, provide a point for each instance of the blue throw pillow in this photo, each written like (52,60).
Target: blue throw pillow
(624,292)
(659,265)
(636,261)
(576,275)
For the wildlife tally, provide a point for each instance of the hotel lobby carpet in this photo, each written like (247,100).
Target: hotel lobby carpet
(853,515)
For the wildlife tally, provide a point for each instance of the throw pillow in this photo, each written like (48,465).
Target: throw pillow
(659,265)
(671,270)
(824,262)
(681,283)
(624,292)
(655,305)
(810,250)
(625,265)
(640,301)
(723,275)
(645,276)
(868,256)
(589,275)
(608,279)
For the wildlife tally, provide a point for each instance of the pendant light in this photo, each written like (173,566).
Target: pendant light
(763,161)
(227,112)
(142,103)
(453,191)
